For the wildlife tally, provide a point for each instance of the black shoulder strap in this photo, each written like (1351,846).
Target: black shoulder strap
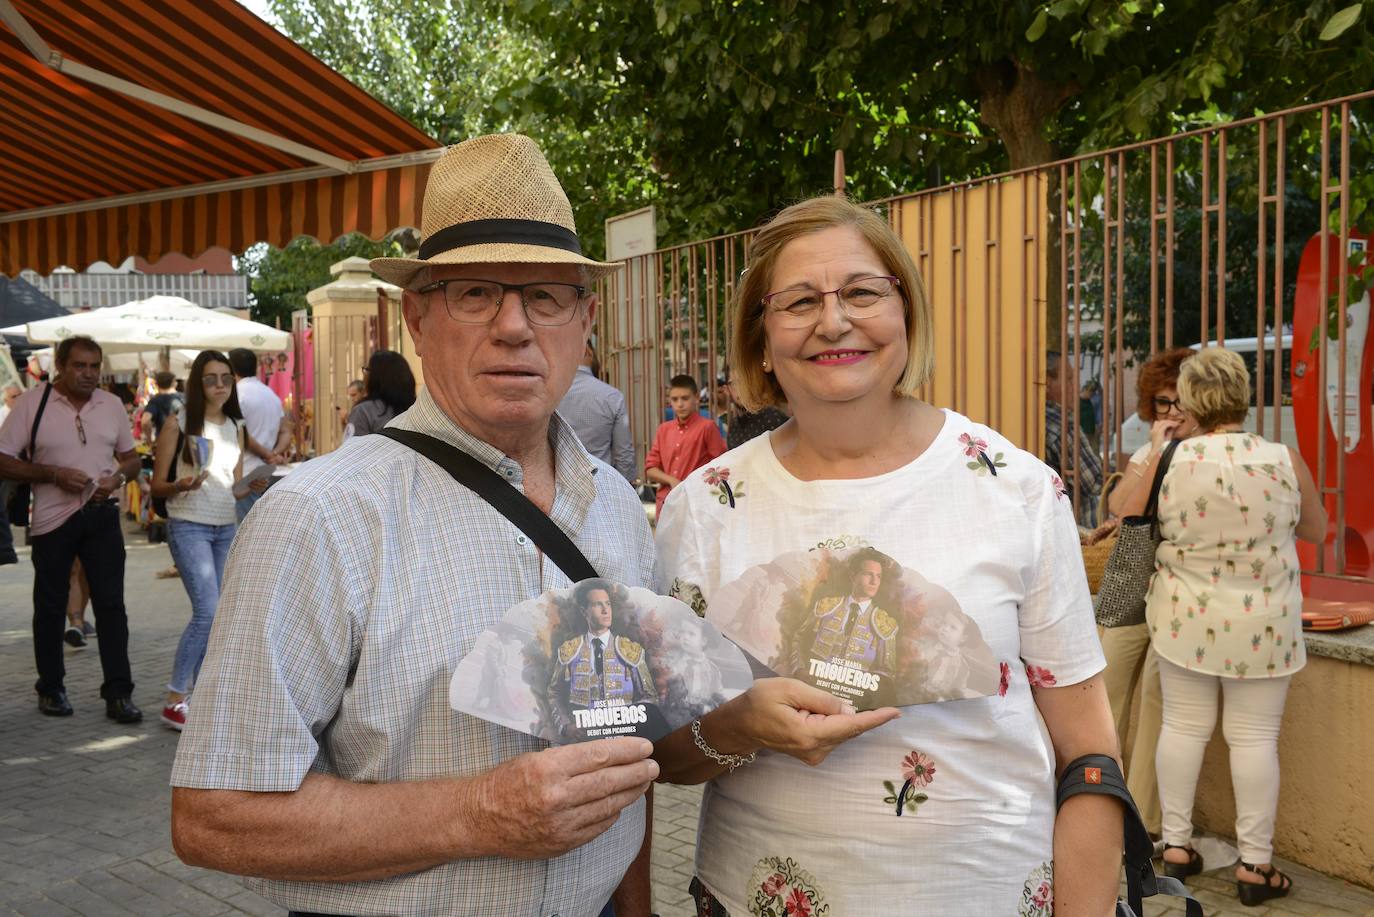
(504,498)
(1099,774)
(1152,505)
(38,416)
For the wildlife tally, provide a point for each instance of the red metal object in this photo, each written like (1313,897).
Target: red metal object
(1317,400)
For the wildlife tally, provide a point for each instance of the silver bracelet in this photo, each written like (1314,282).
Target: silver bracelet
(730,761)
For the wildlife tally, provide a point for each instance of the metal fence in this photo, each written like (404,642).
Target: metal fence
(1239,233)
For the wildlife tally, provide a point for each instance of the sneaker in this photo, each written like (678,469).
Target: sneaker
(74,636)
(174,715)
(88,629)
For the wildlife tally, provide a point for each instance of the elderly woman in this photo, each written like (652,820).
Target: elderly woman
(1224,610)
(1129,657)
(832,321)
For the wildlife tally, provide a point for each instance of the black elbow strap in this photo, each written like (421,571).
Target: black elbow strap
(1101,774)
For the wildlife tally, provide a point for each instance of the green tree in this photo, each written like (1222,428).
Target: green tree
(279,278)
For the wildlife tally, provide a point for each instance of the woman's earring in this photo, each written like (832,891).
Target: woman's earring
(765,366)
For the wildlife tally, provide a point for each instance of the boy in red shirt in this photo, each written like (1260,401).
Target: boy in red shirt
(683,444)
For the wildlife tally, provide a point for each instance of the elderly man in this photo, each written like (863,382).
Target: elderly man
(321,754)
(1061,415)
(72,442)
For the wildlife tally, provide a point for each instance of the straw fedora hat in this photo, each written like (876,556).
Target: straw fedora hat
(493,199)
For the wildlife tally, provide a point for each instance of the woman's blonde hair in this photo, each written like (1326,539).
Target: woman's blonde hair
(751,386)
(1214,387)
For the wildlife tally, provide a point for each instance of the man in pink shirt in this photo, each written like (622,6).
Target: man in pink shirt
(683,444)
(81,454)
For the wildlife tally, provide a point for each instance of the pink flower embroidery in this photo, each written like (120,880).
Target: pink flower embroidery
(1043,895)
(973,445)
(1004,682)
(1039,677)
(918,768)
(772,886)
(1060,490)
(797,903)
(714,475)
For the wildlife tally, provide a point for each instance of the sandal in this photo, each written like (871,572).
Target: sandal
(1253,893)
(1183,870)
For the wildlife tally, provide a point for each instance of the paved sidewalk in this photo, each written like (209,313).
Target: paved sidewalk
(84,802)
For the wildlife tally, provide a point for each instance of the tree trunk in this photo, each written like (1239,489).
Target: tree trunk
(1019,104)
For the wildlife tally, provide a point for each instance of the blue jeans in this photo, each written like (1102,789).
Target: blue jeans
(243,504)
(199,552)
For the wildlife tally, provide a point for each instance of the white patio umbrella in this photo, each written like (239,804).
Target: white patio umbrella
(158,321)
(178,361)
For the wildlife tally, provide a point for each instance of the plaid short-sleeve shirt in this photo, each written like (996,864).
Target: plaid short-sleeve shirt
(353,590)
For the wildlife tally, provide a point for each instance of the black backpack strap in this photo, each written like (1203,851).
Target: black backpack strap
(1100,774)
(37,417)
(504,498)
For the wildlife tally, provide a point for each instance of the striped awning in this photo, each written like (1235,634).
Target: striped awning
(143,127)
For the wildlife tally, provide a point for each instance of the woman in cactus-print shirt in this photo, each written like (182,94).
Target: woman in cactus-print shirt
(1224,610)
(945,808)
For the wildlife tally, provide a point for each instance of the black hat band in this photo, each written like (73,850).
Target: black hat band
(500,232)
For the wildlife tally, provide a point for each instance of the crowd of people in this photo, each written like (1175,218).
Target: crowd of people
(73,445)
(319,755)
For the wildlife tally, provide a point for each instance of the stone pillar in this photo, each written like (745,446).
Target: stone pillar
(351,316)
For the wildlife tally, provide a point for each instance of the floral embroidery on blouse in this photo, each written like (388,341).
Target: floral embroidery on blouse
(977,449)
(1004,680)
(784,889)
(1039,677)
(1037,895)
(719,481)
(1060,490)
(689,594)
(918,771)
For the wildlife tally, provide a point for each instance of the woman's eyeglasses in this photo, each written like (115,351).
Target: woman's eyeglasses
(1165,405)
(210,380)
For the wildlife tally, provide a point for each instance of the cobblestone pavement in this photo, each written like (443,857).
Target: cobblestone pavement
(84,802)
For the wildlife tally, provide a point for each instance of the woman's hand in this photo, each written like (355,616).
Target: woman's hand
(792,717)
(189,483)
(1163,430)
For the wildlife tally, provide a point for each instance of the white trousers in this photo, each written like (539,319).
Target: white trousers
(1250,725)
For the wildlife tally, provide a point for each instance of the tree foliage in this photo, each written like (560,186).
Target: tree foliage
(721,111)
(279,278)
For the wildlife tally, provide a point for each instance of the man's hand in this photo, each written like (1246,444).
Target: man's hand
(72,480)
(542,805)
(792,717)
(276,458)
(106,486)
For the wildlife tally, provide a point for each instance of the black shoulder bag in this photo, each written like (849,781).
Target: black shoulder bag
(1126,576)
(504,498)
(17,508)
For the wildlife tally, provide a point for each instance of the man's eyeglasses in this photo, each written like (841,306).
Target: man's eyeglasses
(80,430)
(477,302)
(210,379)
(1165,405)
(859,299)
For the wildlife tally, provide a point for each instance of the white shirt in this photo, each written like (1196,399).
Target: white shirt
(1005,545)
(1135,434)
(212,503)
(262,412)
